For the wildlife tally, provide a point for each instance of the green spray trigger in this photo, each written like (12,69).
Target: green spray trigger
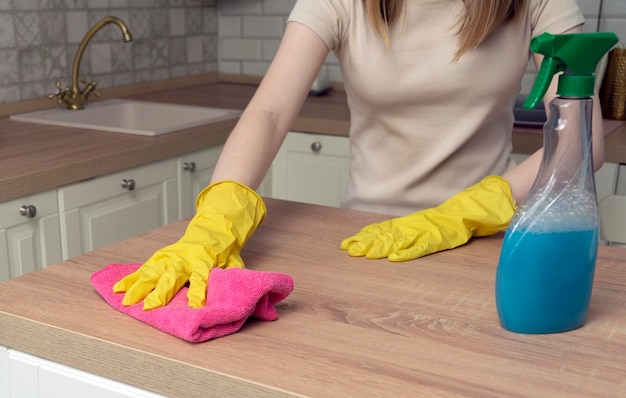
(576,55)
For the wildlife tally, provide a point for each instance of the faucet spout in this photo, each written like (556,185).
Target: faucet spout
(72,96)
(89,35)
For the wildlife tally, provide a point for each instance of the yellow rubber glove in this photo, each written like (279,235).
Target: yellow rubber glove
(227,215)
(482,209)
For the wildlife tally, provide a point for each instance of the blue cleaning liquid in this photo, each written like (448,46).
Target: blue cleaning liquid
(544,280)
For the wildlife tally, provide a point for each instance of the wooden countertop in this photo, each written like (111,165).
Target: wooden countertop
(35,158)
(351,328)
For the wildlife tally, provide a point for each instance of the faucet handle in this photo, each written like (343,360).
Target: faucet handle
(89,89)
(56,92)
(60,94)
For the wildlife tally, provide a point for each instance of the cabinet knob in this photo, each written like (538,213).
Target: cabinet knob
(316,146)
(189,166)
(29,211)
(128,184)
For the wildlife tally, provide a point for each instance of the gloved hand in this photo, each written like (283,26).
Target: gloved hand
(482,209)
(227,215)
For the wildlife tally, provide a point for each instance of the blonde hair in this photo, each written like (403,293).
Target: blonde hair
(482,17)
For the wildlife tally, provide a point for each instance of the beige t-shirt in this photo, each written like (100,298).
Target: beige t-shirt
(423,127)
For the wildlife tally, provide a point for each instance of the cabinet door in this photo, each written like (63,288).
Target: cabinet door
(31,376)
(107,209)
(22,375)
(311,168)
(620,184)
(519,157)
(613,210)
(29,234)
(606,180)
(194,174)
(62,381)
(4,372)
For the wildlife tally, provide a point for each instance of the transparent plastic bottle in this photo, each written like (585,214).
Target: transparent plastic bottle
(545,273)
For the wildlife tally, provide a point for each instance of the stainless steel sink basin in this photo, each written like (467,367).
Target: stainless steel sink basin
(130,117)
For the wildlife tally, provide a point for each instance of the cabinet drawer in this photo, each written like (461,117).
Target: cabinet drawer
(45,203)
(100,188)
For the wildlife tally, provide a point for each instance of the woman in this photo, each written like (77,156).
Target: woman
(430,85)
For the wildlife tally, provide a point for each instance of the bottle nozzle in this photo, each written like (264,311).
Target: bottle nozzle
(576,55)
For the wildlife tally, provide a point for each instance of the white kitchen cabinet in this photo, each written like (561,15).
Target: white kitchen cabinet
(606,179)
(311,168)
(29,376)
(4,372)
(29,234)
(194,174)
(620,179)
(614,211)
(519,157)
(107,209)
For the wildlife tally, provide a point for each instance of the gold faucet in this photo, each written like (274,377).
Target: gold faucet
(73,97)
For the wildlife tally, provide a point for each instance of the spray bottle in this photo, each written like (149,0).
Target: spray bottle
(547,262)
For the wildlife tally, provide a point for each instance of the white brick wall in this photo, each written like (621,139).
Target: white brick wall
(249,34)
(614,18)
(250,31)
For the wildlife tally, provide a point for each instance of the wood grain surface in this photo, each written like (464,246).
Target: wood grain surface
(351,328)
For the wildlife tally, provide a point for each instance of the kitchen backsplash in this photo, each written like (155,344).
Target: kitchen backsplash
(171,38)
(39,39)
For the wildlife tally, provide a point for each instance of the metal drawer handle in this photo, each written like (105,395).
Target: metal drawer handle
(128,184)
(316,146)
(189,166)
(29,211)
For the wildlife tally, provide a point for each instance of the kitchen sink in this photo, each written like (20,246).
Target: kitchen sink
(129,117)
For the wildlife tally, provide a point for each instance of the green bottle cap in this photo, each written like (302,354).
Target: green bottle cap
(576,55)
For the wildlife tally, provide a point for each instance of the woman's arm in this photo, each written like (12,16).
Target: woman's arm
(228,213)
(257,137)
(522,177)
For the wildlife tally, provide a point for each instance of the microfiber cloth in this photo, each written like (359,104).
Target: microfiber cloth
(234,295)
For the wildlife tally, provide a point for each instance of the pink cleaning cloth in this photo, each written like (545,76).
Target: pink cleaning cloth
(234,295)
